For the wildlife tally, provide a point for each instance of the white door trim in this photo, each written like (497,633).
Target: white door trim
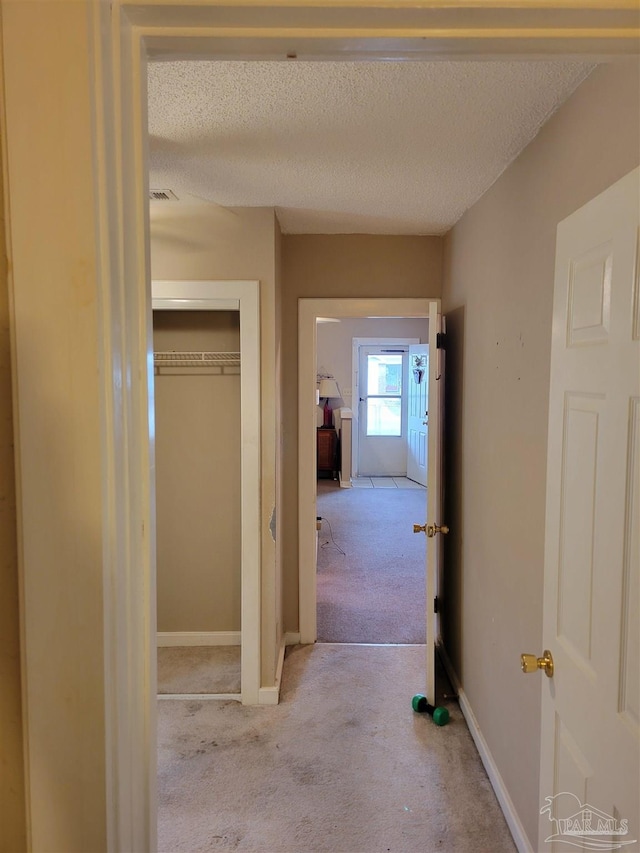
(243,296)
(308,312)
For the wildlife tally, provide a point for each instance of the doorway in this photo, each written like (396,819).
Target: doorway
(382,402)
(381,379)
(197,368)
(370,567)
(240,296)
(309,311)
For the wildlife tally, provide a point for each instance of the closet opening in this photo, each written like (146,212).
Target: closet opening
(206,388)
(197,412)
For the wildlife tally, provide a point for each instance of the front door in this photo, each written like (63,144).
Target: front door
(382,440)
(590,736)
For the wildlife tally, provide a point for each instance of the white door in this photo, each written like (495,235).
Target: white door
(590,755)
(435,399)
(417,413)
(382,441)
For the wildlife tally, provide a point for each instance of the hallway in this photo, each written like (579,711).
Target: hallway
(342,764)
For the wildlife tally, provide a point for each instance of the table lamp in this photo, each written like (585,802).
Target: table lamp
(328,389)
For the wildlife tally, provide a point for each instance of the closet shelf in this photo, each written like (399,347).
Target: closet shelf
(217,360)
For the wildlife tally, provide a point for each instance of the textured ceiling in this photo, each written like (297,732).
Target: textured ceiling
(346,147)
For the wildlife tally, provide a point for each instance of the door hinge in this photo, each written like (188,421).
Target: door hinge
(436,605)
(441,340)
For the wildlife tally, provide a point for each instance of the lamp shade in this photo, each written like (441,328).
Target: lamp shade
(329,388)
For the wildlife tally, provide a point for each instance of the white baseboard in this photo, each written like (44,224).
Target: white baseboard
(198,638)
(291,639)
(268,696)
(271,695)
(205,697)
(502,795)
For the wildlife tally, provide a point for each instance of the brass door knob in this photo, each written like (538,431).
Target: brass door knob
(530,663)
(430,529)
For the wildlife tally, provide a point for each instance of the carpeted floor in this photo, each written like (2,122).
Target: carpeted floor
(342,764)
(375,592)
(199,669)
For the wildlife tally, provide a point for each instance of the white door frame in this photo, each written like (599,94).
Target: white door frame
(242,296)
(308,312)
(356,343)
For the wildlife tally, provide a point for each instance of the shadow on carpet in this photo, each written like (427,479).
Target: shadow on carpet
(341,765)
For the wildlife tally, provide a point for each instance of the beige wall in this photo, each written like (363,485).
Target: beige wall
(54,262)
(208,242)
(12,812)
(355,266)
(499,265)
(198,476)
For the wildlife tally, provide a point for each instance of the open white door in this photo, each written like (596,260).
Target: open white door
(417,413)
(434,527)
(590,736)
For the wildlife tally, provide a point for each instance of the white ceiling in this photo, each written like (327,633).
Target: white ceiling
(347,147)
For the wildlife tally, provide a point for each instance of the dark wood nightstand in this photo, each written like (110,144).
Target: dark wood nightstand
(327,451)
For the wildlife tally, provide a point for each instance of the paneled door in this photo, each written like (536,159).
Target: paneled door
(435,527)
(418,416)
(382,441)
(590,736)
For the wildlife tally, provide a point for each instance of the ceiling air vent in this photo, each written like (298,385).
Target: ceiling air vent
(162,195)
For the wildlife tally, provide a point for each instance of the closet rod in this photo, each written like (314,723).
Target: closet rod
(196,359)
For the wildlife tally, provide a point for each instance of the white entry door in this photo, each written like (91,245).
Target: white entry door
(382,440)
(417,420)
(590,736)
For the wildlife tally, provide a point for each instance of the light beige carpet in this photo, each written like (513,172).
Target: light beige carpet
(343,764)
(199,669)
(374,592)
